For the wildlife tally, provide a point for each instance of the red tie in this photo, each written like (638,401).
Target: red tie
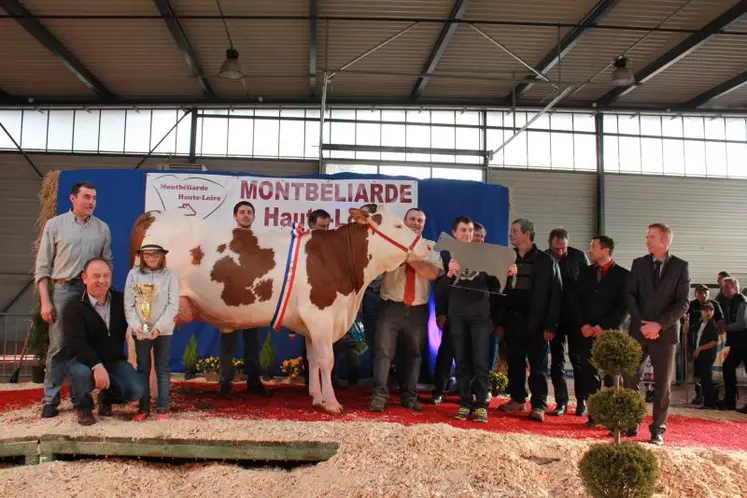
(409,285)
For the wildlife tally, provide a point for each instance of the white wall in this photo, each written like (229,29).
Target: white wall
(552,199)
(708,217)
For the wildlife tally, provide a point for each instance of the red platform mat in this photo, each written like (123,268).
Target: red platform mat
(292,402)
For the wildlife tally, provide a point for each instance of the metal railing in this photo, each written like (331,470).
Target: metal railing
(13,330)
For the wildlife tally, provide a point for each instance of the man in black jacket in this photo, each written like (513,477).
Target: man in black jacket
(529,317)
(657,298)
(600,306)
(94,328)
(735,312)
(570,263)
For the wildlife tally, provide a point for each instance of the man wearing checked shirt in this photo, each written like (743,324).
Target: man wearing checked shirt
(404,310)
(68,241)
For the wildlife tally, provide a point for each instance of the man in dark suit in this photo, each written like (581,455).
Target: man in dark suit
(570,263)
(94,328)
(600,306)
(657,298)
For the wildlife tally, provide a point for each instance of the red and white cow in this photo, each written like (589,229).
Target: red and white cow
(238,278)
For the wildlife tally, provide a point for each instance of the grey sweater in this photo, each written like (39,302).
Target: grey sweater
(165,305)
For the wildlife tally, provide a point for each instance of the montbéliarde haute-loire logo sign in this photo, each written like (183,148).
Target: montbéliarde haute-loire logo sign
(278,202)
(192,195)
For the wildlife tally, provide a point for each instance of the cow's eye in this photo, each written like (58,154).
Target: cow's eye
(398,225)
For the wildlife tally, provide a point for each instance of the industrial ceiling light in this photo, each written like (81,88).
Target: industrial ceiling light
(622,76)
(231,67)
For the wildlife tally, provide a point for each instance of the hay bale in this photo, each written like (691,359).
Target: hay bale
(47,204)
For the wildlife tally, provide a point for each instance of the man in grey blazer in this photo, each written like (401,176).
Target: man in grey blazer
(657,298)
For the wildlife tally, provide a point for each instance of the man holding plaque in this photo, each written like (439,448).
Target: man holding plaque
(243,215)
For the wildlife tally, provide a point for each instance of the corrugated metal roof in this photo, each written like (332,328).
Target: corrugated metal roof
(601,47)
(137,58)
(385,8)
(349,40)
(717,60)
(27,68)
(736,99)
(132,58)
(274,55)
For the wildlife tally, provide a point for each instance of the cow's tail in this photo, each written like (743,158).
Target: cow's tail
(139,228)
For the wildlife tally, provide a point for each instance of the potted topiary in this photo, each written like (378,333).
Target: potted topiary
(618,470)
(38,344)
(190,358)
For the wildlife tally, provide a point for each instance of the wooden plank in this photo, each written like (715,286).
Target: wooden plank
(196,449)
(20,446)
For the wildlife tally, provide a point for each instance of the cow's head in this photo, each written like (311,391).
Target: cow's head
(391,241)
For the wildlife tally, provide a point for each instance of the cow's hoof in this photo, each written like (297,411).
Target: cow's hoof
(335,408)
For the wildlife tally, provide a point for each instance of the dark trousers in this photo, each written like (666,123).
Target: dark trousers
(444,360)
(587,380)
(160,347)
(565,333)
(411,324)
(522,347)
(663,360)
(124,384)
(703,366)
(251,357)
(470,337)
(737,355)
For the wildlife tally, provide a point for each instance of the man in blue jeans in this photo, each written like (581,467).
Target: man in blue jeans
(94,328)
(67,242)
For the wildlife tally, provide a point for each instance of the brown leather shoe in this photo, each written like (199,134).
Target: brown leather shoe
(105,409)
(85,417)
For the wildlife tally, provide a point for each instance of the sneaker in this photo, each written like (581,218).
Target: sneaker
(512,406)
(377,405)
(140,416)
(85,417)
(49,411)
(437,399)
(581,408)
(161,416)
(481,415)
(561,410)
(537,414)
(463,413)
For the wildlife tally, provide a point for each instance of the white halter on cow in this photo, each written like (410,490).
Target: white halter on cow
(310,282)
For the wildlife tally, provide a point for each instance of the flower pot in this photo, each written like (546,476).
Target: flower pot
(212,376)
(37,374)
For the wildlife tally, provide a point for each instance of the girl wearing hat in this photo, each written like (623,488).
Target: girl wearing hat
(152,276)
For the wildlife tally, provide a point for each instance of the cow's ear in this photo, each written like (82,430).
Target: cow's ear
(359,215)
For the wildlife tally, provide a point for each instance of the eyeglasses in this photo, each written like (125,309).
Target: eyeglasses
(151,254)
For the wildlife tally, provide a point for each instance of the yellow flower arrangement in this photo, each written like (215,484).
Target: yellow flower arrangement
(208,365)
(293,367)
